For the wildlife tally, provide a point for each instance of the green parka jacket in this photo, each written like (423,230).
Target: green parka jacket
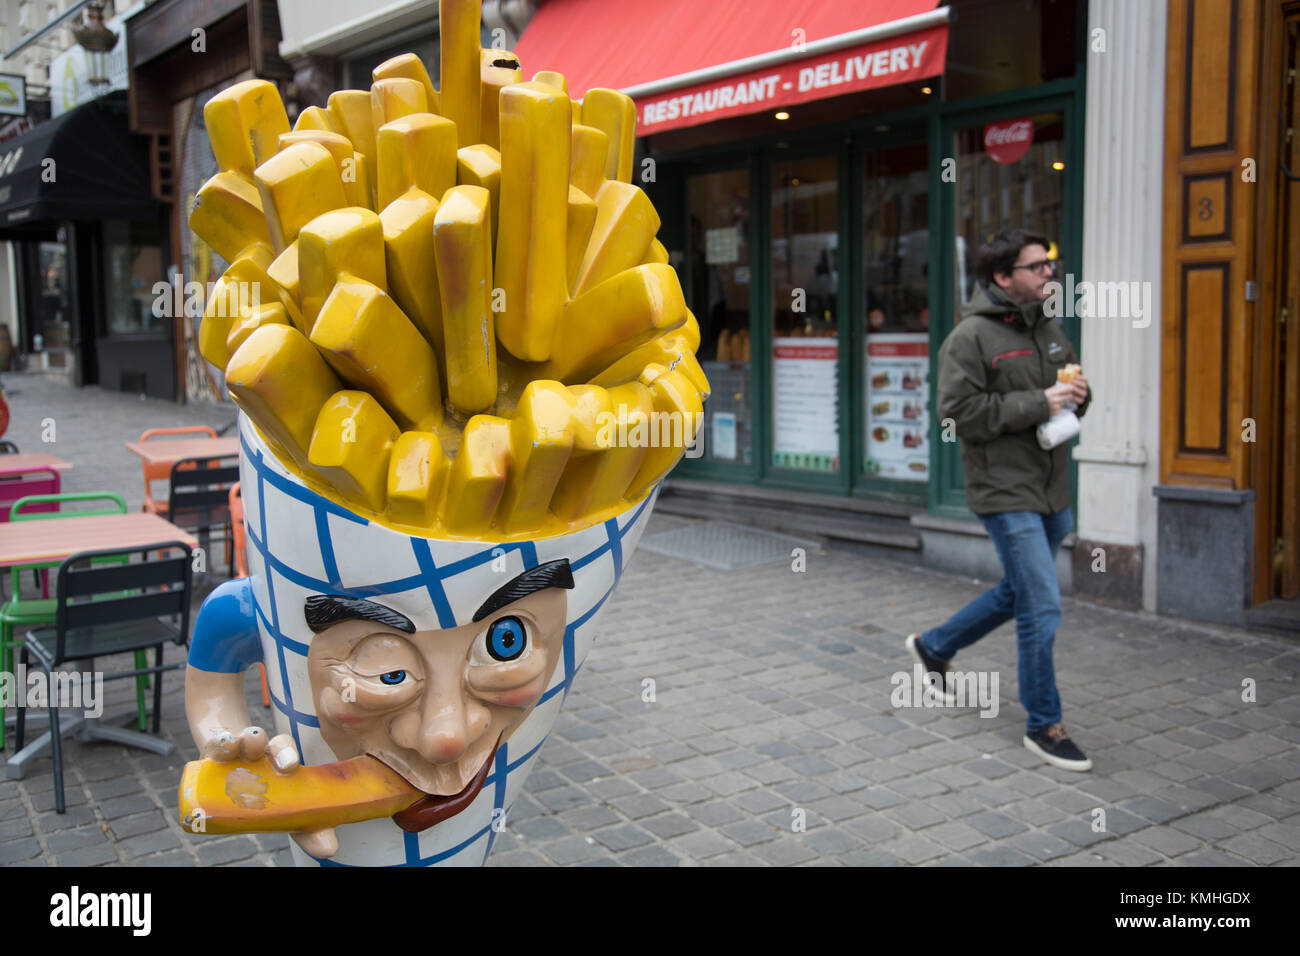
(993,368)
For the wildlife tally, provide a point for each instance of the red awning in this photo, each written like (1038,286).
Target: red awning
(687,62)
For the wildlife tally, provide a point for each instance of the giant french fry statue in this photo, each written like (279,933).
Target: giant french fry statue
(463,366)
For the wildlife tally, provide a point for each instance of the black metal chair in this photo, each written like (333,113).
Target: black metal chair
(103,609)
(198,500)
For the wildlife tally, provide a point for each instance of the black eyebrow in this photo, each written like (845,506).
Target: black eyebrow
(325,610)
(552,574)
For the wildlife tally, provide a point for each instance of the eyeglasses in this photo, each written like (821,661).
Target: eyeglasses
(1040,268)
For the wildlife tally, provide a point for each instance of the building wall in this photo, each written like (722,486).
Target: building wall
(1118,450)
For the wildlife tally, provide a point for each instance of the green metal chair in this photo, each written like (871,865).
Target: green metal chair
(24,613)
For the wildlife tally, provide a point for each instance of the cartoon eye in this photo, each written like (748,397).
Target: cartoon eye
(393,677)
(506,639)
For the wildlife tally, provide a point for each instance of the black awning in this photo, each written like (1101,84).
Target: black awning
(100,171)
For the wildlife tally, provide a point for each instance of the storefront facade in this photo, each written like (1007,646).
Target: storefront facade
(803,235)
(182,53)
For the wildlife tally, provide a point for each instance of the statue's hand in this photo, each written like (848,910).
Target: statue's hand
(249,745)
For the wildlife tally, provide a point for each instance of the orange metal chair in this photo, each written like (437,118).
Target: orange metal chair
(241,563)
(163,472)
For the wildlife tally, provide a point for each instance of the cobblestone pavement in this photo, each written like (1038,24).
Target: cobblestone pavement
(772,708)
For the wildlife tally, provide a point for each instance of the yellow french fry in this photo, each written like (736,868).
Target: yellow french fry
(229,302)
(477,476)
(268,313)
(541,441)
(615,113)
(409,260)
(530,255)
(678,414)
(672,350)
(411,67)
(614,318)
(596,477)
(311,798)
(355,191)
(626,223)
(395,97)
(581,219)
(552,79)
(284,273)
(587,166)
(497,69)
(417,470)
(345,240)
(313,117)
(480,165)
(374,347)
(297,184)
(656,253)
(350,445)
(418,151)
(353,114)
(458,29)
(463,243)
(228,216)
(244,123)
(281,381)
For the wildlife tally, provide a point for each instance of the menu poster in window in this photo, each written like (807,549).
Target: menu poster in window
(805,420)
(722,246)
(897,412)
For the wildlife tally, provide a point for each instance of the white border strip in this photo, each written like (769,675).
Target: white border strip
(880,31)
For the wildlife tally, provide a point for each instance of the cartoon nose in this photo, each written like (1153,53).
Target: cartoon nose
(450,722)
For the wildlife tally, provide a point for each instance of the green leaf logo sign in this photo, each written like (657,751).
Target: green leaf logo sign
(7,95)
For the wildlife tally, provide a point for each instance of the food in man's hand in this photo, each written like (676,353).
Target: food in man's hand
(1068,374)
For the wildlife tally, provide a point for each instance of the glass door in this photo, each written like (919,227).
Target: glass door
(894,320)
(717,286)
(804,289)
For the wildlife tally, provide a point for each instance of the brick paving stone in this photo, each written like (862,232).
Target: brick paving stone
(231,850)
(66,840)
(1211,857)
(1040,845)
(1128,853)
(787,852)
(1205,827)
(913,848)
(750,832)
(587,818)
(715,814)
(149,843)
(956,835)
(914,816)
(870,858)
(700,845)
(1153,809)
(572,850)
(1253,847)
(760,801)
(639,805)
(994,825)
(669,825)
(625,837)
(14,850)
(94,855)
(651,856)
(1079,833)
(1167,840)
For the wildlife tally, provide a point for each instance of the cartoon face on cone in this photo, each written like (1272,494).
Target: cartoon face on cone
(447,661)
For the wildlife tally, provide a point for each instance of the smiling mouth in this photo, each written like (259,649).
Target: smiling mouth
(433,808)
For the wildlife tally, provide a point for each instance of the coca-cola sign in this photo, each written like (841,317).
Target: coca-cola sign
(1008,140)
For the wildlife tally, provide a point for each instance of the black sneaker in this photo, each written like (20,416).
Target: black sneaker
(934,668)
(1056,748)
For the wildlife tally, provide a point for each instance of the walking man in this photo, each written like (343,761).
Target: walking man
(998,383)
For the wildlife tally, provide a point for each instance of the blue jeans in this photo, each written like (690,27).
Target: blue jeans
(1026,543)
